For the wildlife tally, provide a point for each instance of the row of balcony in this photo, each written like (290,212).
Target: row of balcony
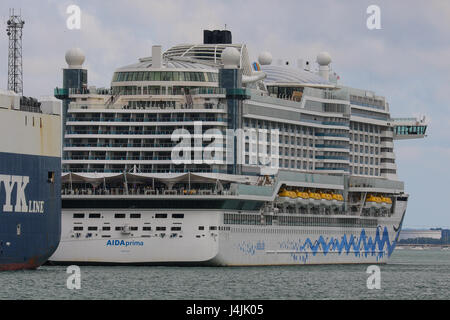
(72,119)
(130,145)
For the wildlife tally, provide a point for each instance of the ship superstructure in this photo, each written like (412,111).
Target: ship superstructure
(198,156)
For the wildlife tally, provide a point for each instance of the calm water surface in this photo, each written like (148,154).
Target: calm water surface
(410,274)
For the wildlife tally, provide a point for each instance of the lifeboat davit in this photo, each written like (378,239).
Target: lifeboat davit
(283,196)
(302,198)
(386,202)
(314,198)
(326,199)
(338,199)
(292,197)
(373,202)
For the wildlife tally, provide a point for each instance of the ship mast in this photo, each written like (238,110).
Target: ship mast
(15,71)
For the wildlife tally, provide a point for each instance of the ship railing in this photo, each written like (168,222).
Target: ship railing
(99,91)
(176,106)
(145,191)
(210,119)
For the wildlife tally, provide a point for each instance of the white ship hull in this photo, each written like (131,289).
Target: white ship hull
(225,244)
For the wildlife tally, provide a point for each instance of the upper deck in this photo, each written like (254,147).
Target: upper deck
(322,126)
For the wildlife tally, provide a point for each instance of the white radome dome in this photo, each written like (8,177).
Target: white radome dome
(265,58)
(231,57)
(75,58)
(323,58)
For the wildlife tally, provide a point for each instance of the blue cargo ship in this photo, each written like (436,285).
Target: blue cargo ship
(30,183)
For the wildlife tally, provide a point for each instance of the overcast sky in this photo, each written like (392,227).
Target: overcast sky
(407,60)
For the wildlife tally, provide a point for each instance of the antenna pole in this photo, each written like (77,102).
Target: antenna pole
(15,71)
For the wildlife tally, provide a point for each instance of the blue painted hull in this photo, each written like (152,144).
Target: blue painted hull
(30,209)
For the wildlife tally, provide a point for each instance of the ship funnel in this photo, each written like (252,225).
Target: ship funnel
(217,37)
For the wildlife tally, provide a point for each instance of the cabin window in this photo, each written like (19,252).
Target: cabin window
(160,228)
(178,215)
(119,215)
(94,215)
(161,215)
(78,228)
(175,229)
(135,215)
(78,215)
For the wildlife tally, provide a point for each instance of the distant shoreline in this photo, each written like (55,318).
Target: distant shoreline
(423,245)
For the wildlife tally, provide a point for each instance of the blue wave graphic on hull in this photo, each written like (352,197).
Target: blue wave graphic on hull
(360,246)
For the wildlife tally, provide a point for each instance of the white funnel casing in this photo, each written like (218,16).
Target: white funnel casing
(156,57)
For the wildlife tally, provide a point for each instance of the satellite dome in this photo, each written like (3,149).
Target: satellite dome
(323,58)
(265,58)
(231,57)
(75,58)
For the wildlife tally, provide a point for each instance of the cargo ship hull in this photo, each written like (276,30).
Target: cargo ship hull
(30,188)
(29,221)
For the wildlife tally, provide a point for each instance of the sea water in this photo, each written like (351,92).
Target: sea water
(410,274)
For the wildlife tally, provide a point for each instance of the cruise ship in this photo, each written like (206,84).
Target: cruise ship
(30,180)
(199,156)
